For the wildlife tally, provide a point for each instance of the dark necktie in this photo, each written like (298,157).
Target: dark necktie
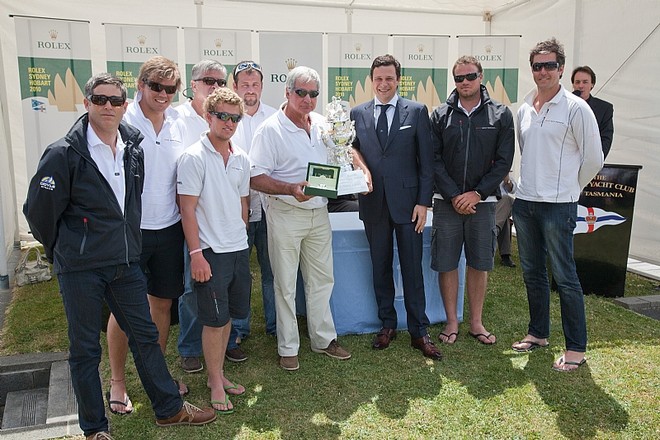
(381,125)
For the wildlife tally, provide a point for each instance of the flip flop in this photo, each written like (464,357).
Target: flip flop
(125,404)
(448,336)
(532,346)
(234,386)
(559,365)
(487,336)
(225,402)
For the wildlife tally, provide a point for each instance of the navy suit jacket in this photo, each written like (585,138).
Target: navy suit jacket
(402,172)
(604,111)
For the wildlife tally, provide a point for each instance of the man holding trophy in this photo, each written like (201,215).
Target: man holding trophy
(394,143)
(299,227)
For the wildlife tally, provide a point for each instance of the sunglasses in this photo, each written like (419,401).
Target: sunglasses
(115,101)
(470,77)
(549,66)
(302,93)
(224,116)
(158,87)
(211,81)
(247,65)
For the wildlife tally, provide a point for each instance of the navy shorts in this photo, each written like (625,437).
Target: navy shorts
(451,231)
(227,294)
(162,261)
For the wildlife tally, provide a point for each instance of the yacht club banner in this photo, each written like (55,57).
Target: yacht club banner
(227,47)
(279,53)
(423,68)
(499,58)
(54,65)
(349,62)
(127,47)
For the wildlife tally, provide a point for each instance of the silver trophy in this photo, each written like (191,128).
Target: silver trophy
(338,140)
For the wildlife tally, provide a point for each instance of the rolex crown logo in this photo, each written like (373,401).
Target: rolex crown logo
(420,48)
(141,39)
(291,63)
(489,48)
(218,42)
(358,47)
(53,34)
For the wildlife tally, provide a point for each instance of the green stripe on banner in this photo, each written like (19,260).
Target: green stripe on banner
(502,84)
(426,86)
(61,81)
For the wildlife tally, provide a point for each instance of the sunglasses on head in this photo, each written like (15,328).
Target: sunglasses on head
(158,87)
(210,81)
(115,101)
(550,65)
(302,93)
(247,65)
(224,116)
(470,77)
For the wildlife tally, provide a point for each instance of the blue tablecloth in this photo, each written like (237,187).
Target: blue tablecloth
(353,301)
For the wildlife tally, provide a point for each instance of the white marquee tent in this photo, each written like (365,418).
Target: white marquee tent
(619,39)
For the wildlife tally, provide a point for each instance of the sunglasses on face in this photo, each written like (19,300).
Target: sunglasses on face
(470,77)
(210,81)
(549,66)
(224,116)
(247,65)
(115,101)
(158,87)
(302,93)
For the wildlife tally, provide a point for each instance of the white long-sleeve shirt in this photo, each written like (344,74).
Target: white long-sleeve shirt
(560,148)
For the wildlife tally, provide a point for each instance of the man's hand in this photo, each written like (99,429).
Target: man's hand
(465,204)
(419,218)
(200,270)
(297,190)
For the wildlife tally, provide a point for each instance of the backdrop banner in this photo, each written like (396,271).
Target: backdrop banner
(225,46)
(279,52)
(54,65)
(423,68)
(127,47)
(349,61)
(499,58)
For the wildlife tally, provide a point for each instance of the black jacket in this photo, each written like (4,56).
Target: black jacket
(72,210)
(472,153)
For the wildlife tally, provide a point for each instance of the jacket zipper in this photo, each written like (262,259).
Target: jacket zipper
(84,239)
(467,149)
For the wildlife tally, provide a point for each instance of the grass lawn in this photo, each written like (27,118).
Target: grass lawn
(476,392)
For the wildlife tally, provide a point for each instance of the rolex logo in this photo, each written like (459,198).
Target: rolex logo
(218,42)
(291,63)
(141,40)
(358,47)
(53,34)
(420,48)
(489,49)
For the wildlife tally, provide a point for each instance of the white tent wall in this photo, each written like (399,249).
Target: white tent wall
(601,33)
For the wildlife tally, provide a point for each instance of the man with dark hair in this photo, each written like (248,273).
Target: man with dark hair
(84,206)
(561,153)
(474,145)
(298,224)
(213,184)
(584,80)
(207,76)
(393,147)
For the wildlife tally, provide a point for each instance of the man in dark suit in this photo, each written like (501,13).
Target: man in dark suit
(393,146)
(584,80)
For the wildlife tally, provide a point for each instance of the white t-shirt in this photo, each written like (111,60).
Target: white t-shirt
(243,138)
(560,149)
(202,172)
(161,152)
(111,167)
(282,151)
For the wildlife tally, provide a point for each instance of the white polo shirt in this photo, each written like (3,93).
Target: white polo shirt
(111,166)
(202,172)
(243,138)
(282,151)
(192,125)
(161,152)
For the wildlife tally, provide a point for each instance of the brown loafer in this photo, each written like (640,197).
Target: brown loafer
(189,415)
(383,338)
(427,347)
